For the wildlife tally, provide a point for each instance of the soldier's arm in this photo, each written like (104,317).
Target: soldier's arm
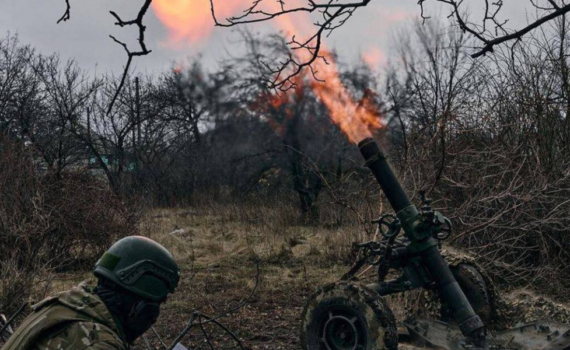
(81,336)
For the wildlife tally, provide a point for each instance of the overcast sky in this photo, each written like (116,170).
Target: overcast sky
(86,36)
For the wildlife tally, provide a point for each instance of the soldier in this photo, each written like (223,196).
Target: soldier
(134,277)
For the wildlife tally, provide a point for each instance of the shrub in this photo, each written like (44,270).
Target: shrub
(50,222)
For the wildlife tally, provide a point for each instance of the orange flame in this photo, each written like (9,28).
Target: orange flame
(191,20)
(355,119)
(269,103)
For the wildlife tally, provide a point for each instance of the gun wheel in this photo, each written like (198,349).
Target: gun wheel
(347,316)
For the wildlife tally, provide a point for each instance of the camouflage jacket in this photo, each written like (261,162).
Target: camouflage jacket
(77,319)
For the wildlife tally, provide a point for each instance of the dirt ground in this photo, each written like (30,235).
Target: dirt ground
(220,253)
(220,257)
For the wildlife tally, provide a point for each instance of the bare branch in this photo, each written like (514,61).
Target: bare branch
(490,31)
(208,319)
(67,14)
(307,52)
(491,11)
(138,21)
(518,34)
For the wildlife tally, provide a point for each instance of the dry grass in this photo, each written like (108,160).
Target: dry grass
(218,248)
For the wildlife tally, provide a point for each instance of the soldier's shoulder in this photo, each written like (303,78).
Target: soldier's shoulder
(81,335)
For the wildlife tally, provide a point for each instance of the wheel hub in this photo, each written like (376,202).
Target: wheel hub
(342,331)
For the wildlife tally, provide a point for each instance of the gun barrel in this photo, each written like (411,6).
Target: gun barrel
(422,242)
(376,161)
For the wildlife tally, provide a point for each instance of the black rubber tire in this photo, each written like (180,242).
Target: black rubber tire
(473,285)
(373,319)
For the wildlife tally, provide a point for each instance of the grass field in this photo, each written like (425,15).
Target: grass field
(225,253)
(222,248)
(220,251)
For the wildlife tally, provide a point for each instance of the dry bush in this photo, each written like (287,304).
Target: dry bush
(50,223)
(88,217)
(507,195)
(513,213)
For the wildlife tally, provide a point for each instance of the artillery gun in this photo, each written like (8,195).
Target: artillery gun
(348,315)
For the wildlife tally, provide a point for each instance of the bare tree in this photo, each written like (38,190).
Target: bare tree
(112,138)
(437,80)
(310,150)
(490,31)
(65,93)
(41,99)
(16,80)
(505,182)
(143,50)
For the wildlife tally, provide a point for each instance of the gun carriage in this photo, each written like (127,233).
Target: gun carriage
(349,315)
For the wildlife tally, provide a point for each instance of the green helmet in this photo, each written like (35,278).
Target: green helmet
(140,265)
